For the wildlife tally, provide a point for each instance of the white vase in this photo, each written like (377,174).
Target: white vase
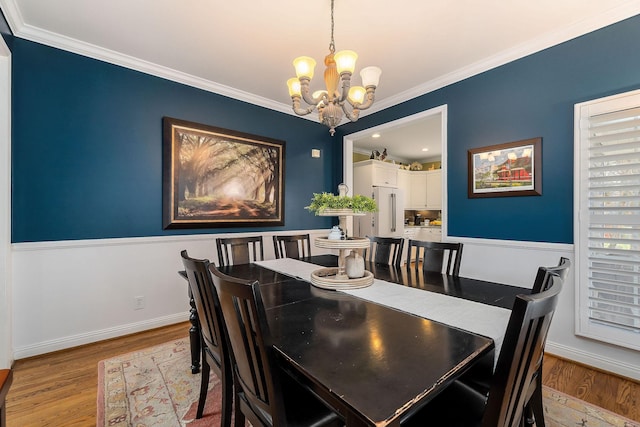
(354,265)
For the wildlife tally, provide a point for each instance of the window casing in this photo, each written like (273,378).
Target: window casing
(607,222)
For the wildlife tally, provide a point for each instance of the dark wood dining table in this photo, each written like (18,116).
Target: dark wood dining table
(373,364)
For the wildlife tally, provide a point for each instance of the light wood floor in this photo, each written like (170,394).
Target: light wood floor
(60,389)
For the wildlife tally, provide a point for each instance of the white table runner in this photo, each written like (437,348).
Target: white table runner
(471,316)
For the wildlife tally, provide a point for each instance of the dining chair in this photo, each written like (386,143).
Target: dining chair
(439,257)
(509,392)
(265,394)
(239,250)
(535,409)
(215,351)
(543,280)
(296,246)
(385,250)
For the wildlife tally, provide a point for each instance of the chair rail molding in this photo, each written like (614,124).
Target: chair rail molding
(108,275)
(106,280)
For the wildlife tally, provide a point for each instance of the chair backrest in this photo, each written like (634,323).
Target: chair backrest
(239,250)
(208,308)
(297,246)
(252,351)
(543,277)
(520,356)
(440,257)
(385,250)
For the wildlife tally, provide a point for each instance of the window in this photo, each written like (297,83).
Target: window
(607,222)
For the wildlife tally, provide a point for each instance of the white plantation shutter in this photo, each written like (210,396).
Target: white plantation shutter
(607,231)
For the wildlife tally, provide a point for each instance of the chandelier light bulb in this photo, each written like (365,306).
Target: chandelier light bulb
(304,66)
(356,94)
(294,86)
(346,61)
(370,76)
(319,93)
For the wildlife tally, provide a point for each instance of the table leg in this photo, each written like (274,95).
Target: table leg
(194,335)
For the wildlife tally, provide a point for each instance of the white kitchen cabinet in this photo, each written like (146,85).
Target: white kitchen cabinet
(418,190)
(430,234)
(372,173)
(404,183)
(422,190)
(434,189)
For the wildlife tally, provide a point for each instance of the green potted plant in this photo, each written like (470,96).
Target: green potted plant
(329,203)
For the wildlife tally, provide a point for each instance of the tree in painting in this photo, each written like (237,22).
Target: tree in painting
(226,177)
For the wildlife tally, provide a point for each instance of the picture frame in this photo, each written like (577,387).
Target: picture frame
(215,177)
(504,170)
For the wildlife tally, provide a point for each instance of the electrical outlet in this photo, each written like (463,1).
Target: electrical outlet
(138,303)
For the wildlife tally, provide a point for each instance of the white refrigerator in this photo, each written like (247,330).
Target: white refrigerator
(389,220)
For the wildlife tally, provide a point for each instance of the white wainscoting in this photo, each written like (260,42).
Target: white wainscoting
(75,292)
(516,263)
(71,293)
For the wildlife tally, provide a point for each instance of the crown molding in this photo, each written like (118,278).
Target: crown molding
(552,39)
(34,34)
(92,51)
(28,32)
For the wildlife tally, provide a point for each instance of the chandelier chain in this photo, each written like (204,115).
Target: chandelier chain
(332,45)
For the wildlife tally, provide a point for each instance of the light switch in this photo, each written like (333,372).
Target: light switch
(315,153)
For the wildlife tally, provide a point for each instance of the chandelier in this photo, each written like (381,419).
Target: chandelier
(332,103)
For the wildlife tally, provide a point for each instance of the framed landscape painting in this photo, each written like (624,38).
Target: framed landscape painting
(511,169)
(214,177)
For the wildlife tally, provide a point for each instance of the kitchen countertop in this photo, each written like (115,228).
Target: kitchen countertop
(423,226)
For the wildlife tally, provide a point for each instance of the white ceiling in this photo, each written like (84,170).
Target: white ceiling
(406,141)
(244,48)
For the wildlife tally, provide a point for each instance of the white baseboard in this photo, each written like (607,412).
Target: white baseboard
(595,360)
(96,302)
(94,336)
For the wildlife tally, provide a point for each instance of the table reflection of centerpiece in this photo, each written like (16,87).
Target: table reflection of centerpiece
(341,206)
(339,317)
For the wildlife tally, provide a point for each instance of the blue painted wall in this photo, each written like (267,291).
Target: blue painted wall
(87,139)
(528,98)
(87,147)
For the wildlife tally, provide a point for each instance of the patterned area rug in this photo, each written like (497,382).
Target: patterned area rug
(562,410)
(155,387)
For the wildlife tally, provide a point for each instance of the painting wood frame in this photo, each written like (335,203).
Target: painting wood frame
(215,177)
(502,170)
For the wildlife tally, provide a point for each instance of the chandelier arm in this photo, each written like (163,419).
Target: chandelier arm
(345,78)
(298,110)
(306,92)
(352,115)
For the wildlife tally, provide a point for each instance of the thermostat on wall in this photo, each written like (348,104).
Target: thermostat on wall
(315,153)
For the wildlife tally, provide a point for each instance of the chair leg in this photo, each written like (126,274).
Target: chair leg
(204,386)
(528,417)
(535,405)
(239,420)
(227,399)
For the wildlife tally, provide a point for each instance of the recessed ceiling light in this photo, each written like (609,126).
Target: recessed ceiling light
(375,135)
(425,149)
